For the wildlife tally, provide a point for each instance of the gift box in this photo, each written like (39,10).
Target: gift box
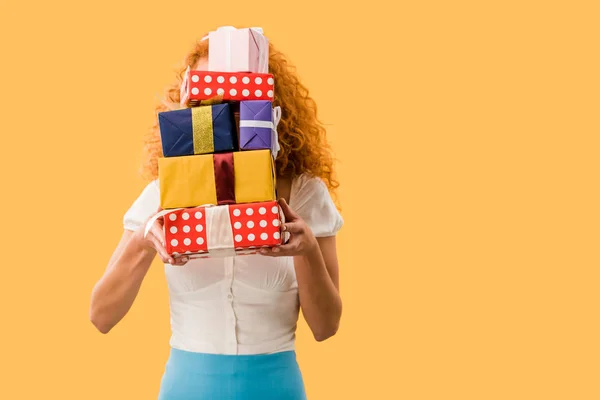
(197,130)
(238,50)
(258,125)
(223,230)
(207,87)
(220,178)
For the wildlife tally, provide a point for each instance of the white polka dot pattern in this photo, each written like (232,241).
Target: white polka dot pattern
(232,86)
(184,231)
(253,226)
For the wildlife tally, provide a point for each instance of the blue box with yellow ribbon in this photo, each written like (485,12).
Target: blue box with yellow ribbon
(198,130)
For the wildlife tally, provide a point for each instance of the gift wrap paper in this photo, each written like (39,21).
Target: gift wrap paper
(223,230)
(207,87)
(198,130)
(256,127)
(224,178)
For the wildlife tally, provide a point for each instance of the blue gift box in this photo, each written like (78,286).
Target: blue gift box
(198,130)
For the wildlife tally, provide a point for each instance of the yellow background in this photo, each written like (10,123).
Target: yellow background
(467,134)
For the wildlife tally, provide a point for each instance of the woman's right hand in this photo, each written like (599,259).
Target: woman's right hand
(155,239)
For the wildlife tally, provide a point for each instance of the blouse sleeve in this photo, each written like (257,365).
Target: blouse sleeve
(143,207)
(311,200)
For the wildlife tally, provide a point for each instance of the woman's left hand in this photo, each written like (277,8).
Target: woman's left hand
(301,239)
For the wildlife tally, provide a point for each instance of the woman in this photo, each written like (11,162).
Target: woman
(233,319)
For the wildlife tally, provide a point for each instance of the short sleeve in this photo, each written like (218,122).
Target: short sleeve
(311,200)
(143,207)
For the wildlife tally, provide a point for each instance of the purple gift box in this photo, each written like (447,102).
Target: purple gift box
(258,125)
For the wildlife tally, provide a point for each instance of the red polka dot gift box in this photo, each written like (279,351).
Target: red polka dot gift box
(221,231)
(208,87)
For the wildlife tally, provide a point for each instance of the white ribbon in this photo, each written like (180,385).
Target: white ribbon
(219,232)
(274,134)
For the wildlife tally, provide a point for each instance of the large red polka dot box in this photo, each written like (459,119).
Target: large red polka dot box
(222,231)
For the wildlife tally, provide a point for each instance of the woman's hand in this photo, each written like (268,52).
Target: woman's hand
(155,239)
(301,240)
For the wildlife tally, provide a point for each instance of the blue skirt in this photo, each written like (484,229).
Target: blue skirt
(200,376)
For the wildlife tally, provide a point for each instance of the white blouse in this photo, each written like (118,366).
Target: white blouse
(239,305)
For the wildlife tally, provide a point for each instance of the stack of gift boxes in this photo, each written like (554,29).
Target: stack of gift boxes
(217,173)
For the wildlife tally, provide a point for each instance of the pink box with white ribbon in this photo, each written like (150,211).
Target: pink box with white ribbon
(238,50)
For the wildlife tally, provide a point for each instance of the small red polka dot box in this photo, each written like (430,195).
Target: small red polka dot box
(221,231)
(207,87)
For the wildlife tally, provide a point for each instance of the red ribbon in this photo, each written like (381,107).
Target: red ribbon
(224,178)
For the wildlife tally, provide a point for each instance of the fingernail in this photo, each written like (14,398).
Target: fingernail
(184,259)
(275,250)
(285,228)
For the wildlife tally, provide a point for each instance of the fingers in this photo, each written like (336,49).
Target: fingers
(160,249)
(285,250)
(273,252)
(157,232)
(180,261)
(293,227)
(290,215)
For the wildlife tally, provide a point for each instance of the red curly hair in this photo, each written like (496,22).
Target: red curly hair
(304,147)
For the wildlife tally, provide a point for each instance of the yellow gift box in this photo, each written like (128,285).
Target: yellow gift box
(220,178)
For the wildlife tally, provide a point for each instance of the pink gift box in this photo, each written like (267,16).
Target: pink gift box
(238,50)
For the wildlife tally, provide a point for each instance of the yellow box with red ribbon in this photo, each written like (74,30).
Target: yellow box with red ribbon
(220,178)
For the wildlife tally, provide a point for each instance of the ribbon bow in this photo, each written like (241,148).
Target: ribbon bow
(274,135)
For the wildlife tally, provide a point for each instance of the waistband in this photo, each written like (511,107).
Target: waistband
(228,363)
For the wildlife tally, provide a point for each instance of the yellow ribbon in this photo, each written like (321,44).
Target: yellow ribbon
(202,128)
